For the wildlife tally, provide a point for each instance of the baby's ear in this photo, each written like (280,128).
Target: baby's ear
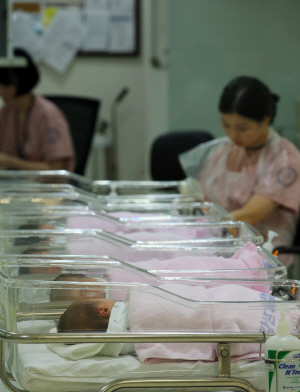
(104,311)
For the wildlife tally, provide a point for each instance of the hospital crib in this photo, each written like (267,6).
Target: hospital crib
(246,262)
(87,219)
(96,240)
(160,229)
(65,180)
(15,200)
(228,357)
(54,190)
(243,259)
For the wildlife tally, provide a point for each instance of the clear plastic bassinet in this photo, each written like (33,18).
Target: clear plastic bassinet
(43,286)
(248,262)
(58,200)
(203,259)
(54,190)
(131,216)
(160,190)
(202,234)
(125,222)
(154,321)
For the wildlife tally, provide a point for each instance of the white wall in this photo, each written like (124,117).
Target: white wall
(103,78)
(214,41)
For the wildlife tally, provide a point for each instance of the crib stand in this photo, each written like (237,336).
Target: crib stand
(224,379)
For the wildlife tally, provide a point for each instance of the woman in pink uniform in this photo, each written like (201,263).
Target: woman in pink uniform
(252,172)
(34,133)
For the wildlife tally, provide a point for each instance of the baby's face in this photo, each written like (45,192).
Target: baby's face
(44,270)
(46,226)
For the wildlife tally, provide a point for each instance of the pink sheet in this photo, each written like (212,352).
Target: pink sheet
(150,313)
(92,222)
(144,234)
(158,313)
(246,258)
(96,222)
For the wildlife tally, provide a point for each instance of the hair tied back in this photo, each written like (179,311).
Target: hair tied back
(275,97)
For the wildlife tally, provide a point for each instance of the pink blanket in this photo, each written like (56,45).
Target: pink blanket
(95,222)
(149,313)
(99,222)
(165,233)
(95,246)
(245,264)
(161,313)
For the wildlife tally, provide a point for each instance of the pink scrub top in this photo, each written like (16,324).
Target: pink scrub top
(230,178)
(45,136)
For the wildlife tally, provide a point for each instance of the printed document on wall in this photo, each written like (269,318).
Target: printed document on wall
(63,38)
(24,34)
(96,29)
(121,26)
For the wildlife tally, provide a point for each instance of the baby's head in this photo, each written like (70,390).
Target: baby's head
(75,293)
(86,315)
(38,270)
(32,240)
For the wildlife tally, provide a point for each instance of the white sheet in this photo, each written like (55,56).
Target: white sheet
(40,370)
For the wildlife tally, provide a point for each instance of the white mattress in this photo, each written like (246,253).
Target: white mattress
(38,369)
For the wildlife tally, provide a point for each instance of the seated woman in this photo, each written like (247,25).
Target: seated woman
(253,172)
(34,133)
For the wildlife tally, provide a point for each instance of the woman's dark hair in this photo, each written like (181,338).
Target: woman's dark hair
(248,97)
(24,78)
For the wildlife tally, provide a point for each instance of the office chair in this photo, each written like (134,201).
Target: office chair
(165,149)
(82,114)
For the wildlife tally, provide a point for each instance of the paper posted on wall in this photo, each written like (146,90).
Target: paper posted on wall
(55,33)
(110,25)
(96,27)
(121,33)
(62,39)
(120,30)
(25,36)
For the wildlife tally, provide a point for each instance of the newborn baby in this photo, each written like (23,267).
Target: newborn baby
(38,270)
(77,292)
(172,307)
(95,315)
(86,315)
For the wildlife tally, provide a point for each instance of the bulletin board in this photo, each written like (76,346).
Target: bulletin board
(112,27)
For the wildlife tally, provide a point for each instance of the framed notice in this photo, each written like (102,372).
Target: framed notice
(108,28)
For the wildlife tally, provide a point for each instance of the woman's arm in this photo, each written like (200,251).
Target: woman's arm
(13,162)
(255,209)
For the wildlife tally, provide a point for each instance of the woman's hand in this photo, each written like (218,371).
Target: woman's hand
(5,160)
(12,162)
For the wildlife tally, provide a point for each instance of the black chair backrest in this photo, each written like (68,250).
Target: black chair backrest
(82,114)
(164,161)
(294,248)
